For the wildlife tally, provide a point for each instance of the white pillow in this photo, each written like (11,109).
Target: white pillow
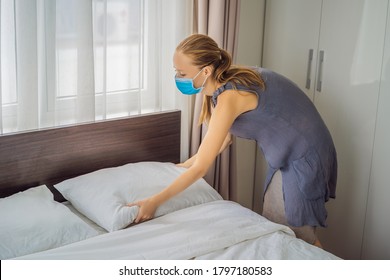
(32,221)
(102,195)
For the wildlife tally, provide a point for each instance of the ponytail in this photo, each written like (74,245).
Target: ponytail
(204,51)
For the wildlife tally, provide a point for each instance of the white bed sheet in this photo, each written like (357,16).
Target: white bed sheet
(214,230)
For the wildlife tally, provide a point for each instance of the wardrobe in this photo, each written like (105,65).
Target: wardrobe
(337,51)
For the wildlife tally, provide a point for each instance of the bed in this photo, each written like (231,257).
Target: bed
(63,195)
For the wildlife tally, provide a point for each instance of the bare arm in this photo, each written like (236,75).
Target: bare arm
(189,162)
(229,107)
(226,142)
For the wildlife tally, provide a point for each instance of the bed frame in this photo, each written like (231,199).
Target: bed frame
(50,156)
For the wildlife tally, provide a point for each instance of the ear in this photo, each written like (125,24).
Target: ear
(208,70)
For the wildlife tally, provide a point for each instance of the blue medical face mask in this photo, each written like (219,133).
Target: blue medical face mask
(186,85)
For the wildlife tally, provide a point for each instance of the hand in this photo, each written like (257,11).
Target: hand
(146,210)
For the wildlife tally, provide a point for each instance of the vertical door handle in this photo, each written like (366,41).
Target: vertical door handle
(320,65)
(308,72)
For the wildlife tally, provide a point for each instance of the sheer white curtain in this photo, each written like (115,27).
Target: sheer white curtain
(72,61)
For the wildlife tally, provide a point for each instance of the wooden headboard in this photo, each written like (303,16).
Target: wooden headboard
(52,155)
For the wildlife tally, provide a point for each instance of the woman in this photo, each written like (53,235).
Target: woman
(268,108)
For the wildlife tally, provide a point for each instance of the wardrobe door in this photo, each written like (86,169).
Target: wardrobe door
(291,36)
(347,89)
(347,38)
(376,243)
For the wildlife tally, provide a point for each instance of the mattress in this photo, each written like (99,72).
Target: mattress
(217,230)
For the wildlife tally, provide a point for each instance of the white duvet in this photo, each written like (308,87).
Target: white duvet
(214,230)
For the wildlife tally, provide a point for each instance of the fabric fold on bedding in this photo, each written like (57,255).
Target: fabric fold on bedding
(185,234)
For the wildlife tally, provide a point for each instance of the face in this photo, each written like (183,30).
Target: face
(185,69)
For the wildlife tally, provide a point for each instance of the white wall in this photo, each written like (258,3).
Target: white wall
(250,175)
(377,225)
(250,34)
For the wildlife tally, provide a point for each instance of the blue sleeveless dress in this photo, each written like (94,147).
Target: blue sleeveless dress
(293,137)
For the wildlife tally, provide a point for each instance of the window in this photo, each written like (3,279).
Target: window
(72,61)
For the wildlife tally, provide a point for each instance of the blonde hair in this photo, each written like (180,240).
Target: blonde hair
(204,51)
